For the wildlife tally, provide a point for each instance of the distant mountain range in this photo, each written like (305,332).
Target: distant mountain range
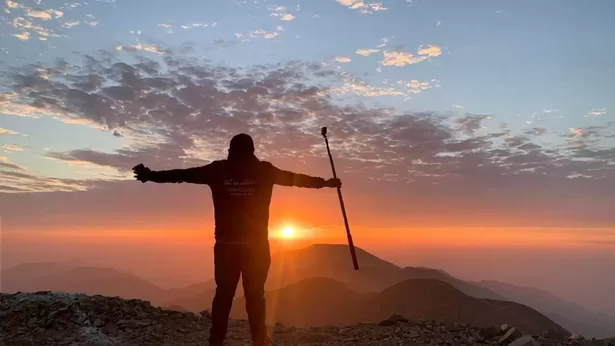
(324,301)
(316,285)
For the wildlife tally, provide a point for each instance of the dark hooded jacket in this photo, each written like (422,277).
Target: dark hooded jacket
(241,188)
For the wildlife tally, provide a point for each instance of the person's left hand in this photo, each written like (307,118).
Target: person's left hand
(333,182)
(142,173)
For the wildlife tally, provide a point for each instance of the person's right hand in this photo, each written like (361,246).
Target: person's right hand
(333,182)
(141,172)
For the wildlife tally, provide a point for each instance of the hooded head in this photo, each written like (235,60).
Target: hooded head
(241,147)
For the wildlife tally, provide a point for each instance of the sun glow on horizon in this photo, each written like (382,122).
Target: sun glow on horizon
(288,232)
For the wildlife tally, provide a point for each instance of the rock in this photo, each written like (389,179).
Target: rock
(386,323)
(526,340)
(576,337)
(393,320)
(77,319)
(511,334)
(488,332)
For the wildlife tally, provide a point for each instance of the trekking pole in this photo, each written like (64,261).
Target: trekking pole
(339,194)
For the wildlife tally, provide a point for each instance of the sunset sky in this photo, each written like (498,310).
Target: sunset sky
(461,129)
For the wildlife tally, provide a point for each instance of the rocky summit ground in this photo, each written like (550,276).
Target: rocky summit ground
(46,318)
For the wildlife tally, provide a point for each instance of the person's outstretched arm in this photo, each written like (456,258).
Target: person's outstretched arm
(194,175)
(287,178)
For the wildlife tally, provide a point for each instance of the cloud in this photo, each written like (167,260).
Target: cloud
(430,51)
(363,7)
(342,59)
(43,14)
(24,36)
(92,22)
(7,132)
(174,111)
(469,124)
(12,147)
(264,34)
(549,111)
(152,48)
(12,4)
(596,112)
(6,164)
(16,180)
(281,12)
(366,52)
(578,132)
(28,20)
(21,23)
(400,58)
(168,28)
(399,88)
(198,25)
(71,24)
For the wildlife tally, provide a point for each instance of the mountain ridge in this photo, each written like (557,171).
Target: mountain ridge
(321,260)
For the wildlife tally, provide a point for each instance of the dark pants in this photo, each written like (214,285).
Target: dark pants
(252,262)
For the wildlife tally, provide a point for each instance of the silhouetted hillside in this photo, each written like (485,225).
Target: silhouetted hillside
(311,302)
(333,261)
(470,289)
(324,301)
(569,315)
(59,277)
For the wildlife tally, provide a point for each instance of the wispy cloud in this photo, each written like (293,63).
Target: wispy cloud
(400,58)
(596,112)
(168,28)
(7,132)
(342,59)
(146,47)
(6,163)
(281,12)
(366,52)
(92,22)
(44,14)
(12,147)
(199,25)
(579,133)
(363,7)
(24,36)
(264,34)
(29,20)
(71,24)
(21,23)
(430,51)
(398,88)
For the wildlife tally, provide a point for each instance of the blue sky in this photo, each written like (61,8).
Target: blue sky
(508,67)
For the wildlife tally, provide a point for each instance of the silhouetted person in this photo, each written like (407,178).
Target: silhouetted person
(241,188)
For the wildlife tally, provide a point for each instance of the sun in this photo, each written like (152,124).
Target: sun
(288,232)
